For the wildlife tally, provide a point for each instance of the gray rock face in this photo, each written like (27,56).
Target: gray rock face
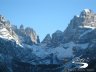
(84,23)
(47,39)
(57,38)
(78,30)
(32,34)
(21,35)
(6,30)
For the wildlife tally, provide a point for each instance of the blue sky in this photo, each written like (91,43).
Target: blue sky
(44,16)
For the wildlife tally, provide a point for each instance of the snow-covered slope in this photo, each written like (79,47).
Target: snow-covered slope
(6,31)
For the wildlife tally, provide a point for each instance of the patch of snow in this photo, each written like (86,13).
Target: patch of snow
(62,53)
(77,15)
(87,10)
(4,33)
(87,27)
(59,52)
(20,44)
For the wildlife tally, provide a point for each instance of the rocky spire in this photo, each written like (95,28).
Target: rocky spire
(87,18)
(2,18)
(21,27)
(32,34)
(57,38)
(86,12)
(47,39)
(79,24)
(38,40)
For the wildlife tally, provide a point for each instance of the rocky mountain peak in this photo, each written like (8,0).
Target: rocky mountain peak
(83,23)
(21,27)
(20,35)
(26,35)
(79,24)
(47,39)
(6,30)
(4,22)
(55,40)
(86,12)
(57,37)
(30,32)
(2,18)
(87,18)
(58,32)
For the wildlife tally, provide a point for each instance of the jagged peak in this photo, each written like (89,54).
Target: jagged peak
(86,18)
(21,26)
(86,12)
(20,35)
(47,39)
(2,18)
(29,29)
(47,36)
(58,31)
(77,16)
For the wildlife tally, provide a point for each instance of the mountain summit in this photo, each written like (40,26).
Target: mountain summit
(21,35)
(78,26)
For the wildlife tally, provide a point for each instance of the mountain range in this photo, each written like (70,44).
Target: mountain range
(22,47)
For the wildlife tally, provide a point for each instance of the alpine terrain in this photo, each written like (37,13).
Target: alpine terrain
(22,51)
